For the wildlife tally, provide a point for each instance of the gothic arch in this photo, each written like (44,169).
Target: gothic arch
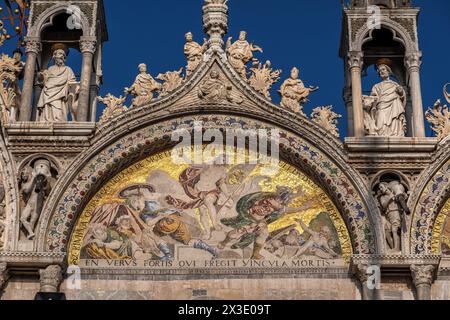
(431,193)
(400,34)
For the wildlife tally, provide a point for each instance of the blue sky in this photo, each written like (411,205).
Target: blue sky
(298,33)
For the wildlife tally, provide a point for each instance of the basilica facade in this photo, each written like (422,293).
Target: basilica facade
(194,184)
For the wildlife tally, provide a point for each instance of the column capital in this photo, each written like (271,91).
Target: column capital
(361,272)
(50,278)
(33,45)
(422,274)
(355,59)
(413,61)
(4,275)
(88,45)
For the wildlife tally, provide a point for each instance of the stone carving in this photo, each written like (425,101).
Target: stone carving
(114,107)
(439,119)
(171,81)
(446,92)
(423,276)
(60,91)
(263,78)
(4,275)
(10,70)
(294,94)
(215,22)
(385,108)
(392,198)
(2,211)
(50,279)
(37,182)
(327,119)
(215,90)
(143,87)
(240,53)
(194,53)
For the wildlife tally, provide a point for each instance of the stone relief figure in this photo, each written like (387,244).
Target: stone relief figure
(59,83)
(171,81)
(386,107)
(143,87)
(263,78)
(194,53)
(37,182)
(10,71)
(240,53)
(114,107)
(215,90)
(327,119)
(392,199)
(294,94)
(439,119)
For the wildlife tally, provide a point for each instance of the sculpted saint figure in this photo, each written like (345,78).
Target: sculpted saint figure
(294,93)
(386,107)
(143,87)
(392,198)
(36,186)
(194,53)
(240,53)
(214,90)
(57,81)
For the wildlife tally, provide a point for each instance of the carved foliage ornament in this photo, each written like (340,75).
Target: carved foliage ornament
(439,119)
(422,274)
(263,78)
(327,119)
(114,107)
(10,69)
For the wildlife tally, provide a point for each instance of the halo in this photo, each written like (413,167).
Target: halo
(59,46)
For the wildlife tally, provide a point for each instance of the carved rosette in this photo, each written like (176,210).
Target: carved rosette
(215,21)
(422,275)
(50,278)
(355,59)
(88,46)
(413,61)
(33,46)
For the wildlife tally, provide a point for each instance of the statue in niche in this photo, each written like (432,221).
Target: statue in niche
(59,86)
(392,198)
(194,53)
(294,94)
(37,182)
(385,108)
(215,90)
(143,87)
(240,53)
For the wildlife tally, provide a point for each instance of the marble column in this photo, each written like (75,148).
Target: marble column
(355,60)
(413,62)
(362,274)
(87,47)
(50,279)
(423,276)
(33,48)
(4,276)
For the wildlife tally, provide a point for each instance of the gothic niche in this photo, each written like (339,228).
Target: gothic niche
(385,107)
(36,182)
(391,192)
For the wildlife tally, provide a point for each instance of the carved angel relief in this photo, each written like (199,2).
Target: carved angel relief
(114,107)
(172,81)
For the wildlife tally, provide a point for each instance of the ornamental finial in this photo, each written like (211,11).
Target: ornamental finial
(215,22)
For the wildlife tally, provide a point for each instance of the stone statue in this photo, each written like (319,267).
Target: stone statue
(215,90)
(114,107)
(58,83)
(439,119)
(263,78)
(2,211)
(171,81)
(240,53)
(143,87)
(36,186)
(194,53)
(386,107)
(327,119)
(10,70)
(294,94)
(393,198)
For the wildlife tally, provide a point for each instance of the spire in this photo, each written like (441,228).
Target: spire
(215,22)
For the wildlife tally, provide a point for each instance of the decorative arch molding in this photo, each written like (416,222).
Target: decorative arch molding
(431,193)
(40,20)
(100,163)
(8,171)
(400,34)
